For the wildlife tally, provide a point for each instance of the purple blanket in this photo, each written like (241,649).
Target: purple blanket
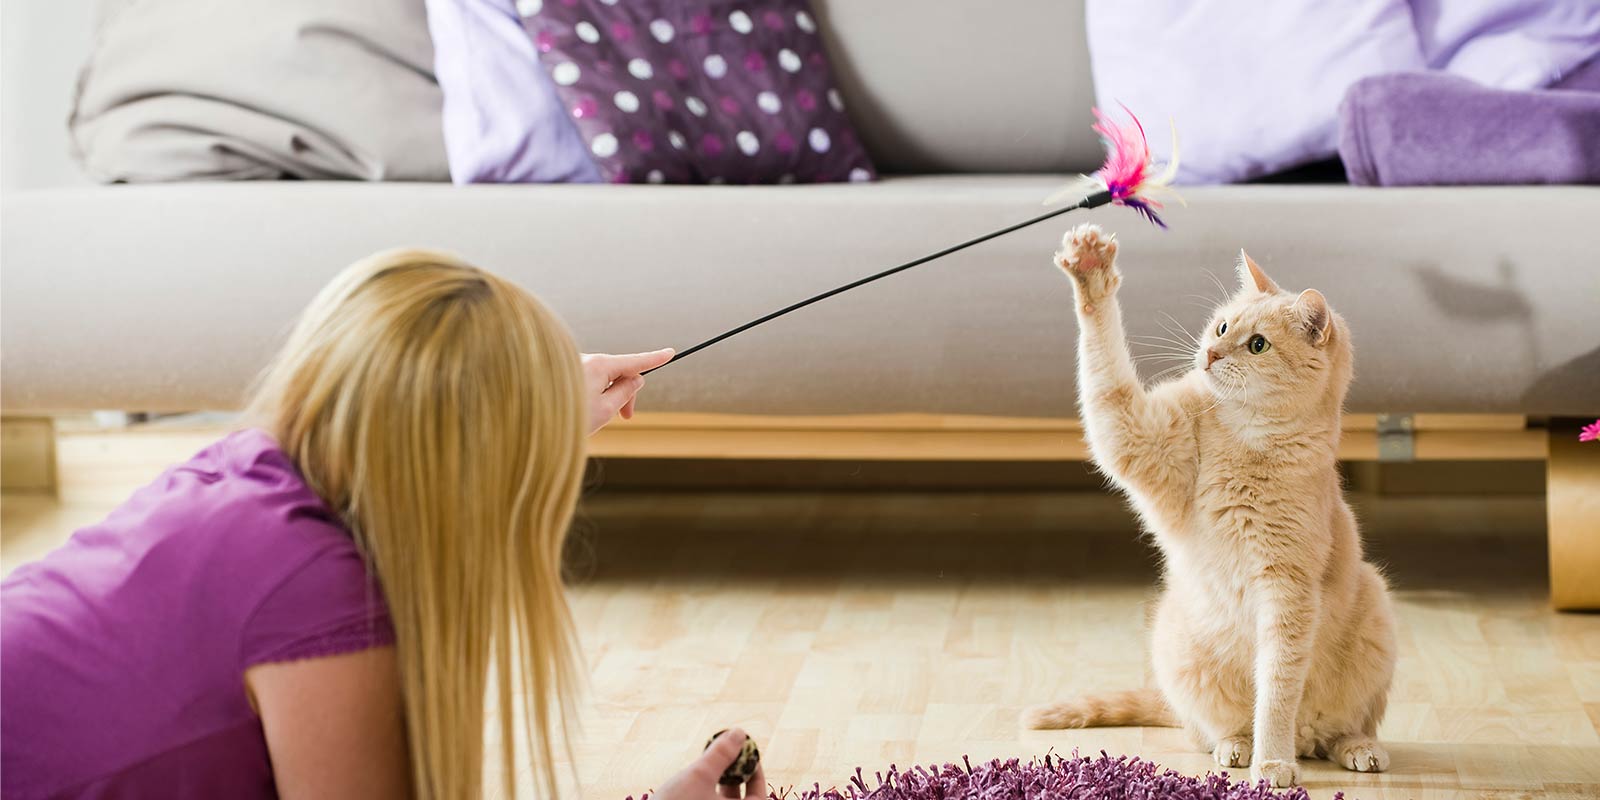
(1431,129)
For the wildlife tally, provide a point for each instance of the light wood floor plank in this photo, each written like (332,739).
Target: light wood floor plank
(853,629)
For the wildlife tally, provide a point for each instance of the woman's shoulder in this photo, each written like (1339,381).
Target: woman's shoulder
(320,598)
(233,529)
(241,507)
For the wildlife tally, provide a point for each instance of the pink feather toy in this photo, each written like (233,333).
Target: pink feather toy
(1127,178)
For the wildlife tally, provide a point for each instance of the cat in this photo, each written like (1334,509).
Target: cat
(1273,637)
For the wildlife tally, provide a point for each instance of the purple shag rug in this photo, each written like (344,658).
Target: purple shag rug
(1049,778)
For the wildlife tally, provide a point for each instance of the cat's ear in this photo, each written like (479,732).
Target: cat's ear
(1311,314)
(1251,276)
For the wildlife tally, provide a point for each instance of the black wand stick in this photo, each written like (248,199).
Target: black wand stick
(1095,200)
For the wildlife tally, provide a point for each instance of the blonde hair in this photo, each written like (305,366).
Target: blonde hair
(438,409)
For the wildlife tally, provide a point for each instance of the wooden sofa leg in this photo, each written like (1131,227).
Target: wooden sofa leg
(1572,496)
(28,454)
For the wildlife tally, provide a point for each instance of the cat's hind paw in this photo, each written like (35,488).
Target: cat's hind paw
(1278,774)
(1233,751)
(1361,755)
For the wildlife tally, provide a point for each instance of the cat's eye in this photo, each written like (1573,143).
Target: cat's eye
(1222,327)
(1258,344)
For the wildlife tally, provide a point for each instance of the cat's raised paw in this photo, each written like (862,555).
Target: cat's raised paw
(1278,774)
(1232,752)
(1086,248)
(1089,255)
(1361,755)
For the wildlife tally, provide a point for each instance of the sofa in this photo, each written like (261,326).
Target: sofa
(1473,309)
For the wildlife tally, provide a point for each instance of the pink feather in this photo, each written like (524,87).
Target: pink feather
(1128,173)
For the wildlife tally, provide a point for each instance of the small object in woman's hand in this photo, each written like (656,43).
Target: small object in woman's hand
(743,768)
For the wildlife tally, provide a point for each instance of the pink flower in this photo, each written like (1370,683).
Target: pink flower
(1590,433)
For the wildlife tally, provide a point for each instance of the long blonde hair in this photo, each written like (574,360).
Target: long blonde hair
(438,408)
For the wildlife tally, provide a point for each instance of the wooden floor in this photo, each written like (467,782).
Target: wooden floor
(850,629)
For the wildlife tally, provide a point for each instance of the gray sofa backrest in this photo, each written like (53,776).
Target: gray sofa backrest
(937,86)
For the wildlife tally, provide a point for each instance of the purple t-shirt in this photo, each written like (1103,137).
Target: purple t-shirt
(122,665)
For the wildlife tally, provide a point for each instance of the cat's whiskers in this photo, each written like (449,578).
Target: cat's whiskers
(1190,347)
(1227,391)
(1220,287)
(1160,356)
(1169,372)
(1179,330)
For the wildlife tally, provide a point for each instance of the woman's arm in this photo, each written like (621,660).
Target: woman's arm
(335,726)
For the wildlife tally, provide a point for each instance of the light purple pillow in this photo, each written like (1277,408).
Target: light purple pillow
(1252,87)
(699,92)
(503,122)
(1508,44)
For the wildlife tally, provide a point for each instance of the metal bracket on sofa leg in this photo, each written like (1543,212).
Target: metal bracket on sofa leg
(1396,437)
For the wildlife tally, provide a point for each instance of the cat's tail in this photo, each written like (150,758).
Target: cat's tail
(1139,707)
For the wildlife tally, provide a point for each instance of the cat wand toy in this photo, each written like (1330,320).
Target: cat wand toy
(1126,179)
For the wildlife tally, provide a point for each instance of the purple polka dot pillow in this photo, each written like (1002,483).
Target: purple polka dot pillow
(715,91)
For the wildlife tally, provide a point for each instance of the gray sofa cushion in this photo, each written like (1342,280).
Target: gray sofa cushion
(1460,299)
(201,89)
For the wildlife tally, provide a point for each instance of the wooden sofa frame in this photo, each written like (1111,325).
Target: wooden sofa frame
(1572,468)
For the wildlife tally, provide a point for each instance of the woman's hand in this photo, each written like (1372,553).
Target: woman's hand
(614,381)
(698,781)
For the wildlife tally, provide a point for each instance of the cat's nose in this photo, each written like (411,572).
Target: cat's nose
(1211,356)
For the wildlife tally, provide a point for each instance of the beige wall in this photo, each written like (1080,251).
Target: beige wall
(42,44)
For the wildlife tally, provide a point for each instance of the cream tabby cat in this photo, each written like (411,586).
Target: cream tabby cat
(1273,638)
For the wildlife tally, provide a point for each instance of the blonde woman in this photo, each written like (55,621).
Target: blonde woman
(342,601)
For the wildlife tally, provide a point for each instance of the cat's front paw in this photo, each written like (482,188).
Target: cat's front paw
(1089,255)
(1278,774)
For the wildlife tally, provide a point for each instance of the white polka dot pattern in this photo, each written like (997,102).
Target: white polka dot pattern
(566,73)
(737,92)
